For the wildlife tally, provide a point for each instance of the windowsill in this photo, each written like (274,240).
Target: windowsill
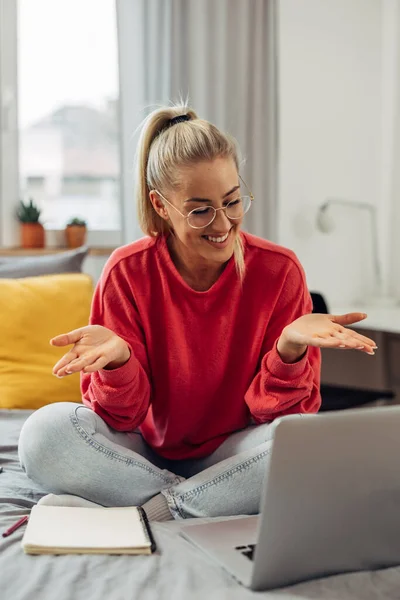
(93,251)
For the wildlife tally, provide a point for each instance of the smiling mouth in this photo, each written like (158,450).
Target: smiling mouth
(217,240)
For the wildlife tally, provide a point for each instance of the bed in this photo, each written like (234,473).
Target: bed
(177,570)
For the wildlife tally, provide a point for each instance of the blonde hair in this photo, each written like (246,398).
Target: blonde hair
(162,149)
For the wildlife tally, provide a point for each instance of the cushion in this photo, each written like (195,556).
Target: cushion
(46,264)
(32,311)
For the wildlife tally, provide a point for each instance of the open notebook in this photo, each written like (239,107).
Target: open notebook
(78,530)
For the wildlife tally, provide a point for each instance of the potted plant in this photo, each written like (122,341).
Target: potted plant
(75,233)
(32,231)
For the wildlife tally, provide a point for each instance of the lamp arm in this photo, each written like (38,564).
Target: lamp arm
(347,203)
(374,227)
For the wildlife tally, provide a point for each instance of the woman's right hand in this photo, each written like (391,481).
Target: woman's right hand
(94,348)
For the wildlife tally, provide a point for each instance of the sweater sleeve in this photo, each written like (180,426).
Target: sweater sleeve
(120,396)
(279,388)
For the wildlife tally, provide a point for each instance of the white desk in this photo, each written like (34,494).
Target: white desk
(355,369)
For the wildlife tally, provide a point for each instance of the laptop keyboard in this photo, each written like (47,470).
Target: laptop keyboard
(247,550)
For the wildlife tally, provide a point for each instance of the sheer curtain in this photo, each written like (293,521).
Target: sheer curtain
(221,56)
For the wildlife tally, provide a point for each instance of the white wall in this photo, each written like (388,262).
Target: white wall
(392,179)
(330,105)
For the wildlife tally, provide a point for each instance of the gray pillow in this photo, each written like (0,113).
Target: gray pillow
(13,267)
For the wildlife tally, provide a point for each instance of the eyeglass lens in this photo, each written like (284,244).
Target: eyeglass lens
(236,209)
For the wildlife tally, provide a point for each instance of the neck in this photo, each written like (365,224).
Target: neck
(199,275)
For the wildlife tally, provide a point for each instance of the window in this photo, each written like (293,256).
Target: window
(68,111)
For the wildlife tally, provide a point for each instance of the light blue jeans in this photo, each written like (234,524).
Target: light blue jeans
(69,449)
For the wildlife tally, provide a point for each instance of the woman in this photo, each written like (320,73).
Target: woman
(200,336)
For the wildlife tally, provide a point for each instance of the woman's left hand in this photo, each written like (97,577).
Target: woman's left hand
(323,331)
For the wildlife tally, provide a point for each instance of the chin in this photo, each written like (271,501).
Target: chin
(220,255)
(223,254)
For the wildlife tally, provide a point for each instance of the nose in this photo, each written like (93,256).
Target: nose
(221,221)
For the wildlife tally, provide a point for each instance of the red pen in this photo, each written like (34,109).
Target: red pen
(15,526)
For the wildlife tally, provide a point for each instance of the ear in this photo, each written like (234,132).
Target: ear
(158,205)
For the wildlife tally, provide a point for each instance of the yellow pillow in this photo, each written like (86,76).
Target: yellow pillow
(32,311)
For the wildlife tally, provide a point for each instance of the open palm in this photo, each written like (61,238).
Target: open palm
(94,348)
(328,331)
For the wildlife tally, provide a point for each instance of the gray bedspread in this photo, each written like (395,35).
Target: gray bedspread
(177,571)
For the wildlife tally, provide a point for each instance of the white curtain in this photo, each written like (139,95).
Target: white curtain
(221,56)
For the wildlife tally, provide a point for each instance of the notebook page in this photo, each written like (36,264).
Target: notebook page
(78,527)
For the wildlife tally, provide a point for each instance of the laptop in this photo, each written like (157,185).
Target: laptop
(330,504)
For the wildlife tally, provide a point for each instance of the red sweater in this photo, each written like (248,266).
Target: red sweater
(203,364)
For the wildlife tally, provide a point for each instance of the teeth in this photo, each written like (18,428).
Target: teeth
(217,239)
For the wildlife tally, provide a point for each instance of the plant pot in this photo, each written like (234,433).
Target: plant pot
(32,235)
(75,235)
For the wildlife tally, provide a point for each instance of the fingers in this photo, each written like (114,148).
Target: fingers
(65,360)
(362,342)
(335,342)
(348,318)
(344,341)
(350,338)
(88,364)
(65,339)
(75,364)
(363,339)
(347,340)
(96,366)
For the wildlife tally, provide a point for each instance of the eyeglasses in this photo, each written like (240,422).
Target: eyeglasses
(199,218)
